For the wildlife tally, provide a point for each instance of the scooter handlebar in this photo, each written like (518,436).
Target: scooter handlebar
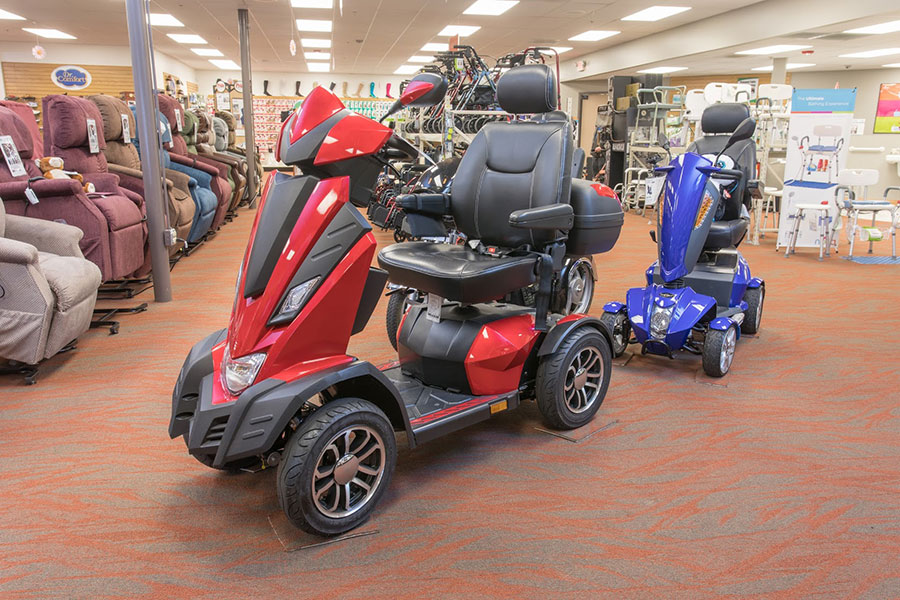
(722,173)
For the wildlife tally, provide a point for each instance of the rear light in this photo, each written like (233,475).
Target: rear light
(237,374)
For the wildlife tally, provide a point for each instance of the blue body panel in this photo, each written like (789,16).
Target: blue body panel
(689,308)
(684,191)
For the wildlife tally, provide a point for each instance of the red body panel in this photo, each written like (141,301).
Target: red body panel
(494,363)
(352,136)
(318,106)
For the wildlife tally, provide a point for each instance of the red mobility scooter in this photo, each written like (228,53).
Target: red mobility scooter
(277,386)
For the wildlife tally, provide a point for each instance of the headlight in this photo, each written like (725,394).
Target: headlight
(239,373)
(297,297)
(659,321)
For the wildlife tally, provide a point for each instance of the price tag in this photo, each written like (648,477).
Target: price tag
(93,136)
(126,129)
(434,308)
(178,120)
(11,154)
(32,197)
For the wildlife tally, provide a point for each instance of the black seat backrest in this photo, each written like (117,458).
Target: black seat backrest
(515,165)
(718,123)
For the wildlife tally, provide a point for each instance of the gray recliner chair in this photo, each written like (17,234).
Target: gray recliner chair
(47,291)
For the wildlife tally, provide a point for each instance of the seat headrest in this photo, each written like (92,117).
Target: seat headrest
(111,110)
(66,118)
(724,117)
(527,89)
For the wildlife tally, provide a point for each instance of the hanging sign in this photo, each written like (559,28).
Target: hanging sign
(293,48)
(70,78)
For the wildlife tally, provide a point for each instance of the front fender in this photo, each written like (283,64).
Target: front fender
(554,338)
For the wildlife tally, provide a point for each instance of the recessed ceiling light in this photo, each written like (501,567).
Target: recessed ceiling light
(315,55)
(206,52)
(662,70)
(776,49)
(164,20)
(435,47)
(316,67)
(892,66)
(889,27)
(226,65)
(5,14)
(49,33)
(312,3)
(186,38)
(406,70)
(460,30)
(314,43)
(656,13)
(420,59)
(872,53)
(490,7)
(593,35)
(313,25)
(788,66)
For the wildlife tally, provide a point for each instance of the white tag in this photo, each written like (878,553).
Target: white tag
(126,129)
(178,120)
(93,137)
(11,154)
(434,308)
(32,197)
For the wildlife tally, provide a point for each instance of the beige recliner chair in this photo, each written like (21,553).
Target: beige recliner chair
(47,291)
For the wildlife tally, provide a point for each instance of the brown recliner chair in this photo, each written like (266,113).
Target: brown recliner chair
(205,142)
(47,290)
(122,158)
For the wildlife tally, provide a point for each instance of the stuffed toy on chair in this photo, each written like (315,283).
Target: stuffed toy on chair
(52,168)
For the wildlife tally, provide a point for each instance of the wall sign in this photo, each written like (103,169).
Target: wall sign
(71,78)
(887,114)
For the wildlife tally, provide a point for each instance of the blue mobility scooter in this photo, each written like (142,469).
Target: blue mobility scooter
(699,296)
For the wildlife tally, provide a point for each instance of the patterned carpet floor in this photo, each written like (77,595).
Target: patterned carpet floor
(781,480)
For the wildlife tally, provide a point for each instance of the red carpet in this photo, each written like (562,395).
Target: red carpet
(780,481)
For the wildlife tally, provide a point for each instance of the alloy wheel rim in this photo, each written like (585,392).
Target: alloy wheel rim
(619,331)
(584,377)
(759,310)
(727,354)
(580,289)
(348,471)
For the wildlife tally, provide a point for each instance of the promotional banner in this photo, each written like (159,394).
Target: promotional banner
(818,144)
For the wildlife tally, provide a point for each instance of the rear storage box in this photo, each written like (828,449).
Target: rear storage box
(598,220)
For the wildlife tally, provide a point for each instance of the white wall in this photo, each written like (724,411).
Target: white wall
(867,84)
(283,84)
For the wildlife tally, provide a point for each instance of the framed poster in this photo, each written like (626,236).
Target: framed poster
(887,113)
(753,82)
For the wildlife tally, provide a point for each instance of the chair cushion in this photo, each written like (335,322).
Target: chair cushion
(724,234)
(456,272)
(71,278)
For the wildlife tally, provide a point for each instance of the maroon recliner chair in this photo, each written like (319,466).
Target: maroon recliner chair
(27,114)
(66,126)
(112,224)
(178,151)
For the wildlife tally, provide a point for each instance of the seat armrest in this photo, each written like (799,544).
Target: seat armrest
(105,183)
(44,188)
(753,188)
(17,253)
(46,236)
(889,189)
(425,203)
(553,216)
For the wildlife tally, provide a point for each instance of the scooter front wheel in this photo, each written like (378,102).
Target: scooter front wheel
(336,467)
(620,328)
(718,351)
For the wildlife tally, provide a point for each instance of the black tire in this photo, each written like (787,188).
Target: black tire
(553,379)
(716,343)
(619,328)
(754,298)
(395,309)
(311,444)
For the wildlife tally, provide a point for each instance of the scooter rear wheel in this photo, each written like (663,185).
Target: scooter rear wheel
(336,467)
(572,382)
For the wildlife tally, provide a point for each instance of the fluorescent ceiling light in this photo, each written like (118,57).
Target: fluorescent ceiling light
(656,13)
(49,33)
(889,27)
(206,52)
(315,67)
(312,3)
(5,14)
(406,70)
(435,47)
(226,64)
(662,70)
(789,66)
(164,20)
(872,53)
(420,59)
(313,25)
(776,49)
(460,30)
(186,38)
(892,66)
(314,43)
(490,7)
(593,35)
(315,55)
